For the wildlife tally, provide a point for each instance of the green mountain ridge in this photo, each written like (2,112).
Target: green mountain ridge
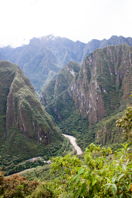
(26,129)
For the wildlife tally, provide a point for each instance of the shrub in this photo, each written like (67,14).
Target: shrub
(16,186)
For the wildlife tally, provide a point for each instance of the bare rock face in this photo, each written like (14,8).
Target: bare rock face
(104,83)
(86,92)
(22,109)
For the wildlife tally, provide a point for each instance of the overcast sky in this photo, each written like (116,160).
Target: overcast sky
(83,20)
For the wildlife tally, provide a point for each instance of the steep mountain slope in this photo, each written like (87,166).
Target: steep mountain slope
(102,88)
(104,82)
(26,129)
(43,57)
(60,83)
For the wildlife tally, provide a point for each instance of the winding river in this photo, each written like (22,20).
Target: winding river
(74,144)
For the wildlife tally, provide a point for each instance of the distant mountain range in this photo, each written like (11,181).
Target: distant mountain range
(43,57)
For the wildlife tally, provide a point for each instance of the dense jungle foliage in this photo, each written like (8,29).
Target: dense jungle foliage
(99,173)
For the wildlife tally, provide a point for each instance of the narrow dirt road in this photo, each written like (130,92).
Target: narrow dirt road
(73,142)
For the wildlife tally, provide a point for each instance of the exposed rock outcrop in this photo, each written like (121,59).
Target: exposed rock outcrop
(104,83)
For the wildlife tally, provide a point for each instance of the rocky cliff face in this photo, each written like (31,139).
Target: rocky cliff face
(21,113)
(101,88)
(104,83)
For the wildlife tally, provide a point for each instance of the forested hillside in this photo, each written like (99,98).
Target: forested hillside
(26,129)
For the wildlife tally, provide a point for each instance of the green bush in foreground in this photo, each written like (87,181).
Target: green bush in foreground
(99,173)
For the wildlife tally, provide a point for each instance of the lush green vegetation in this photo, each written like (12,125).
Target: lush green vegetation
(26,129)
(125,122)
(104,132)
(41,173)
(99,173)
(12,158)
(78,127)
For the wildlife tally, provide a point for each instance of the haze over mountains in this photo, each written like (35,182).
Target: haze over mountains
(43,57)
